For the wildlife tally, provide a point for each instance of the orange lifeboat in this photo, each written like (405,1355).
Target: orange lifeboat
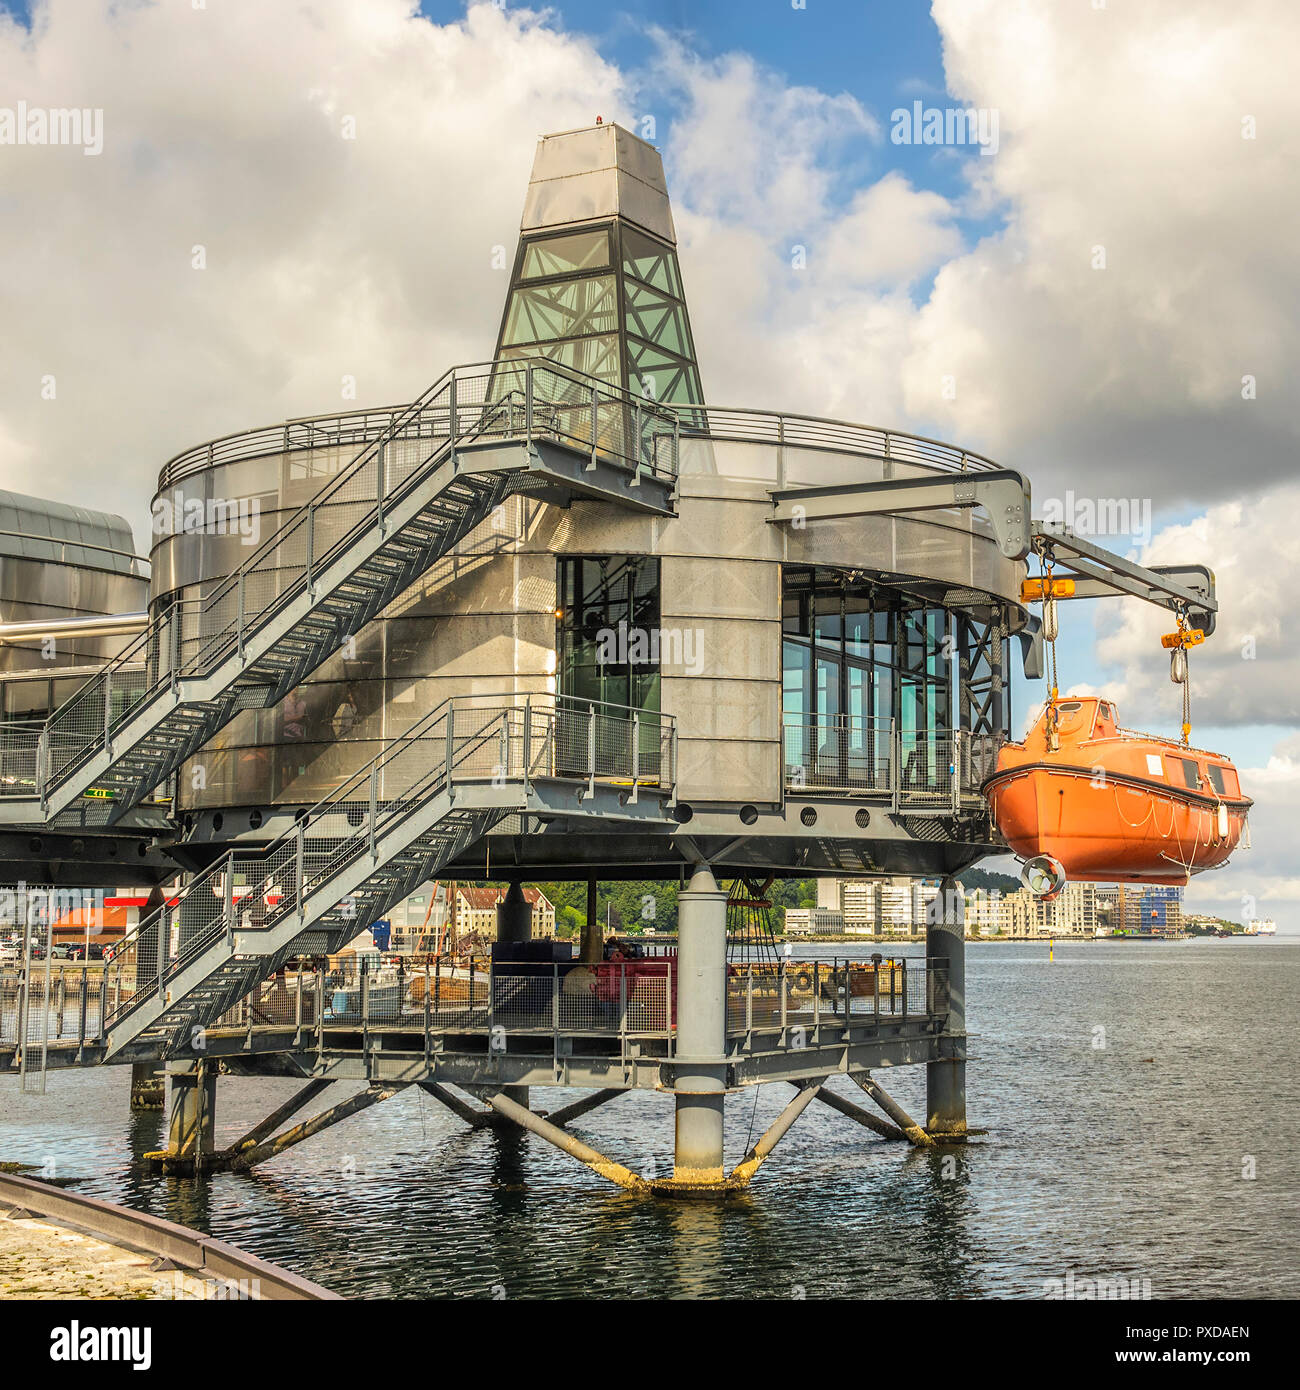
(1109,804)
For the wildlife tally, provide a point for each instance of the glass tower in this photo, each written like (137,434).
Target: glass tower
(596,285)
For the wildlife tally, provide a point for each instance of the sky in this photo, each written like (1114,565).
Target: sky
(1103,297)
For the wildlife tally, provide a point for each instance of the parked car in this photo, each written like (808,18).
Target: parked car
(62,950)
(98,952)
(9,952)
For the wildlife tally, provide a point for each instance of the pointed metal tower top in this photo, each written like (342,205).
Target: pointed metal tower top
(596,284)
(594,174)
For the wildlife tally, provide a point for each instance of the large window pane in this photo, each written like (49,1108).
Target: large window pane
(562,255)
(567,309)
(657,319)
(608,638)
(652,262)
(863,666)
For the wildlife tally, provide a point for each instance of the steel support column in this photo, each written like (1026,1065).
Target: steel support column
(700,1069)
(945,950)
(515,925)
(192,1125)
(593,939)
(148,1086)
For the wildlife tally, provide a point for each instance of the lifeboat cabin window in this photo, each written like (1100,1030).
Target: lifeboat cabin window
(1191,771)
(1218,779)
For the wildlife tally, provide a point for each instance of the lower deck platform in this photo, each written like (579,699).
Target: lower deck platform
(505,1026)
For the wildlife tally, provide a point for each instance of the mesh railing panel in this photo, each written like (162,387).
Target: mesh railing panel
(807,993)
(873,756)
(445,995)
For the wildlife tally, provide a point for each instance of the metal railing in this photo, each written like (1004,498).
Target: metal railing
(876,757)
(523,399)
(808,994)
(327,1002)
(63,551)
(465,739)
(356,427)
(839,436)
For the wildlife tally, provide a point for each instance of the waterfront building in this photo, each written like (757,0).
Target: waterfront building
(560,617)
(1155,909)
(813,921)
(418,920)
(476,910)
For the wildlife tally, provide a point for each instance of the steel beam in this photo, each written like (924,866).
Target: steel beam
(276,1118)
(575,1148)
(907,1126)
(476,1119)
(578,1108)
(1003,493)
(1104,574)
(863,1117)
(363,1100)
(744,1171)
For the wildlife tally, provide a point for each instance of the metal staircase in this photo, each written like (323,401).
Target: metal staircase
(409,496)
(415,808)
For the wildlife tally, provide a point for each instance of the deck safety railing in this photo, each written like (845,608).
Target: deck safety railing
(809,993)
(354,428)
(839,436)
(849,755)
(326,1003)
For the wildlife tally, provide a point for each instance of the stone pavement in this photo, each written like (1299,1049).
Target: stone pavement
(40,1260)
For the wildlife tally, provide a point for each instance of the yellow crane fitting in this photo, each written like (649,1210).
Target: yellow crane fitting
(1184,638)
(1032,590)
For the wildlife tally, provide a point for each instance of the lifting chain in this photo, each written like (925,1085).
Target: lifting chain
(1051,630)
(1178,668)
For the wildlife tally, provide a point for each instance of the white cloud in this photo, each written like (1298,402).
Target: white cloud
(778,256)
(371,257)
(1247,672)
(326,257)
(1263,881)
(1122,128)
(1119,128)
(753,149)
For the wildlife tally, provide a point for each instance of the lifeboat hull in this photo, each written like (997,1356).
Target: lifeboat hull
(1109,827)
